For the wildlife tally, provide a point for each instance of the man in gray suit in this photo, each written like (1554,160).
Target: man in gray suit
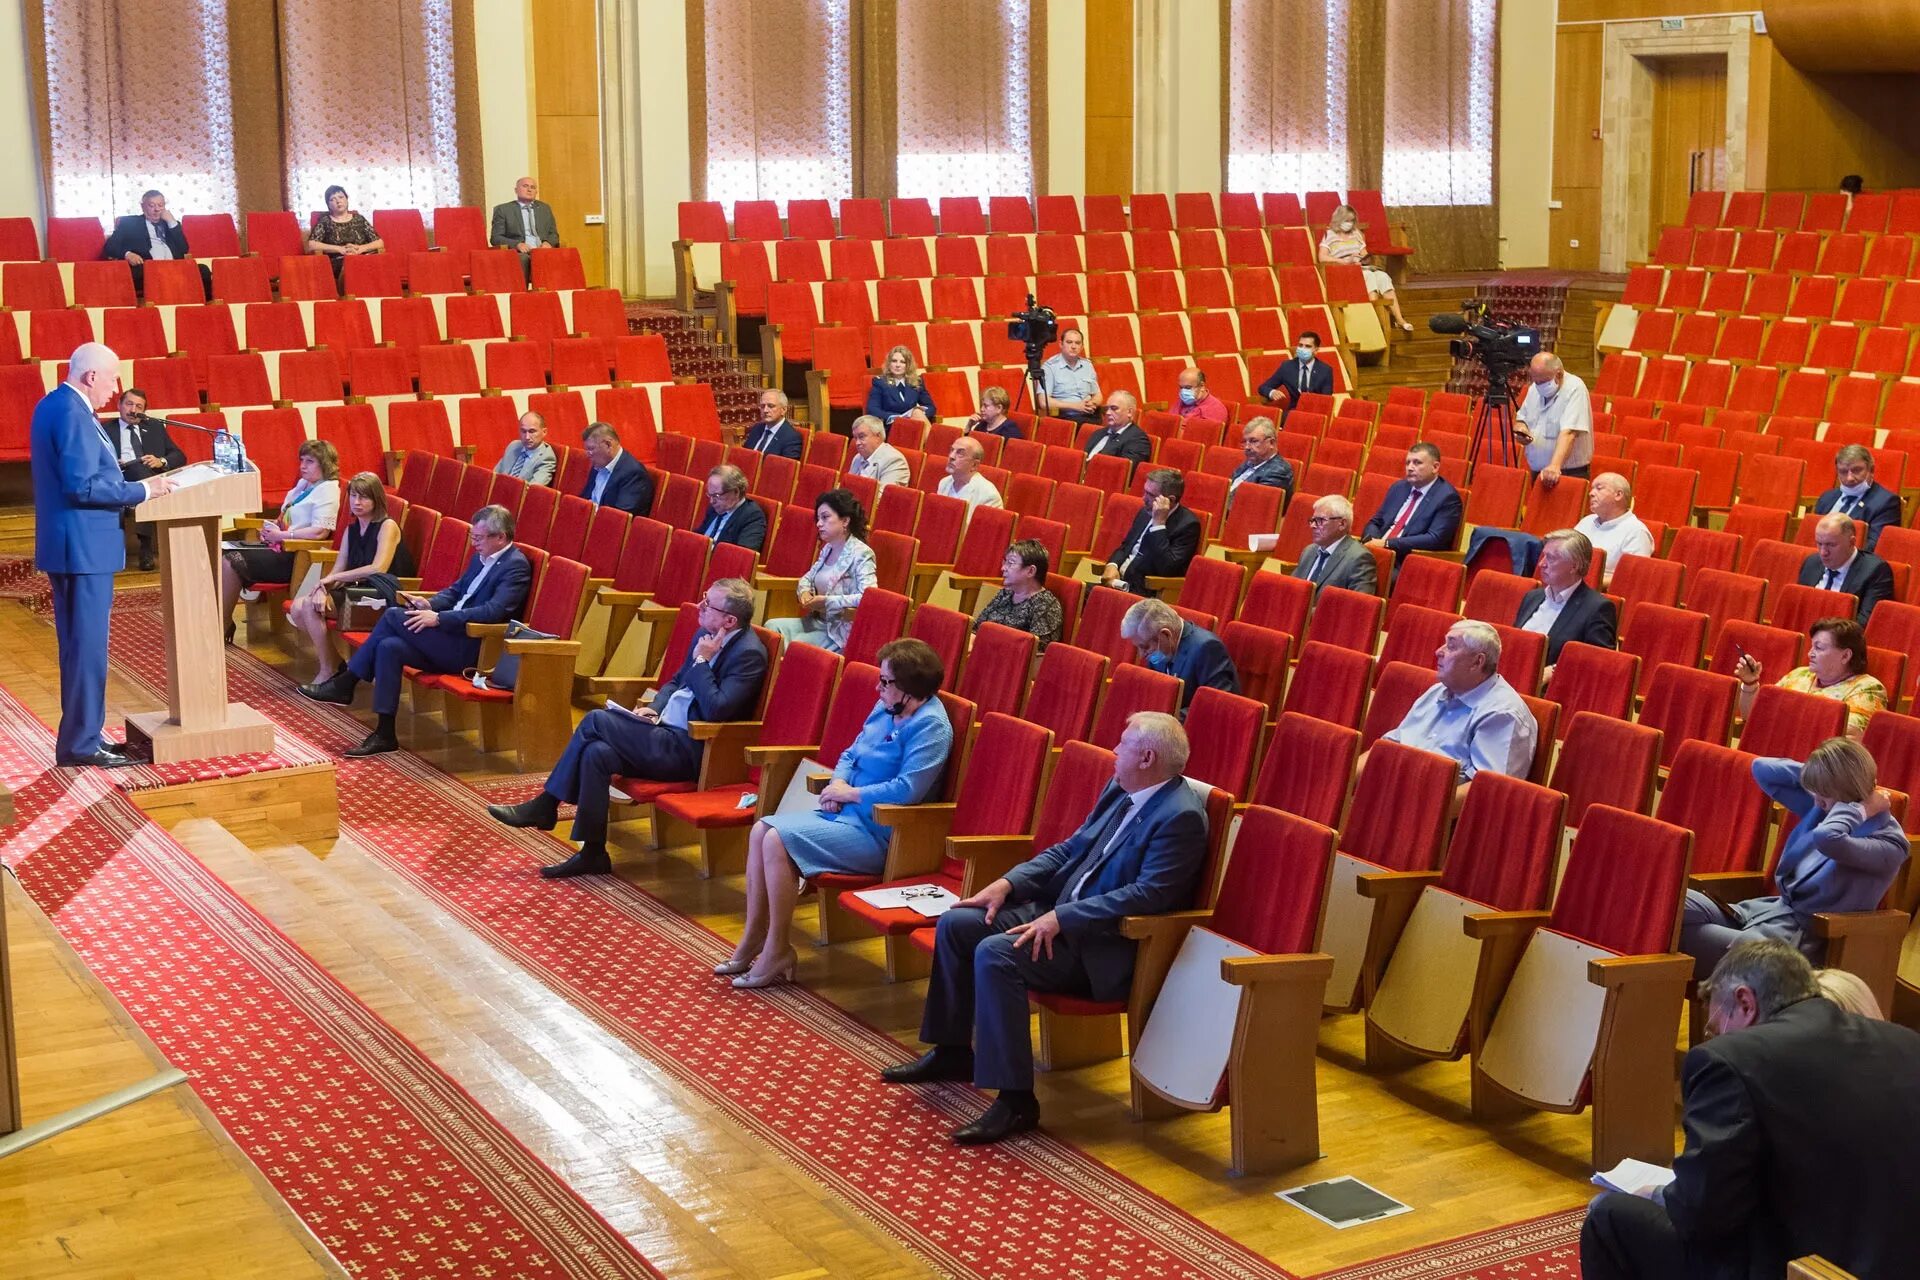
(525,223)
(1053,924)
(529,458)
(874,457)
(1336,558)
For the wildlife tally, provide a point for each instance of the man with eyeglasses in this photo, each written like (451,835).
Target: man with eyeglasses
(429,633)
(719,680)
(1120,437)
(1336,558)
(731,516)
(530,458)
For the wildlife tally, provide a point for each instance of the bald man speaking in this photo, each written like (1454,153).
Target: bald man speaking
(78,494)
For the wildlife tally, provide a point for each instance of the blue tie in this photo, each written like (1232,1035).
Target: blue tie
(1078,867)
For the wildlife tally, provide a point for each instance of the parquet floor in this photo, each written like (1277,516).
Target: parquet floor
(697,1195)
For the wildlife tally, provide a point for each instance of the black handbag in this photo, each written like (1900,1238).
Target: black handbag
(507,669)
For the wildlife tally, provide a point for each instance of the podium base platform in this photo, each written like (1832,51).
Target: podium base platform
(246,731)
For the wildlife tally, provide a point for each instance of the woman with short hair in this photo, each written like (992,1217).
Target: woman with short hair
(308,512)
(340,233)
(372,546)
(1023,601)
(1836,668)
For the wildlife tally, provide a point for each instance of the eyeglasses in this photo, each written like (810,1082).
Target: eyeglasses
(910,892)
(888,682)
(1320,520)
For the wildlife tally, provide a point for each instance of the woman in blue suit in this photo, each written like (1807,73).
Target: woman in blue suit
(898,758)
(898,393)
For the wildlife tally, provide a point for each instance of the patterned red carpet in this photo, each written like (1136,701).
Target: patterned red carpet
(768,1059)
(394,1167)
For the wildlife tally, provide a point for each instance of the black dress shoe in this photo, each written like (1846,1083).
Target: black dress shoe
(232,627)
(374,744)
(540,813)
(105,758)
(1000,1121)
(338,690)
(583,863)
(146,562)
(942,1062)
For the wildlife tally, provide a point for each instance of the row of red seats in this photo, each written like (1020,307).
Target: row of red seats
(1838,346)
(1872,212)
(270,234)
(1769,295)
(1704,387)
(1795,252)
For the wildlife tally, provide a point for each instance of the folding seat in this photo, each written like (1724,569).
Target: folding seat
(809,220)
(306,278)
(1408,654)
(19,241)
(1607,761)
(1884,352)
(558,268)
(901,301)
(1133,688)
(1587,678)
(1712,248)
(371,275)
(458,229)
(104,284)
(1842,255)
(1160,291)
(1894,625)
(1796,608)
(1674,246)
(1418,982)
(237,380)
(1799,253)
(1739,340)
(310,376)
(75,239)
(1771,481)
(272,437)
(134,333)
(583,362)
(1768,293)
(1330,682)
(1207,288)
(497,271)
(32,286)
(1855,399)
(1005,255)
(1783,723)
(476,318)
(1683,292)
(1696,335)
(354,431)
(514,366)
(1889,258)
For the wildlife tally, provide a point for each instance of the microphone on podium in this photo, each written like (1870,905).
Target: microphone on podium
(231,458)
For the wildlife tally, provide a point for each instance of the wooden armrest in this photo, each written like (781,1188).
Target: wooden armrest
(919,836)
(531,646)
(1140,928)
(464,452)
(1854,924)
(771,582)
(1157,585)
(724,760)
(608,596)
(1247,971)
(323,556)
(309,545)
(1621,971)
(1394,884)
(1245,558)
(988,858)
(487,630)
(1495,924)
(718,730)
(817,782)
(1728,886)
(789,756)
(1451,557)
(246,522)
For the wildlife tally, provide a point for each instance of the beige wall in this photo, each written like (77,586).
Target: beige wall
(1176,67)
(503,59)
(20,187)
(1066,97)
(1525,131)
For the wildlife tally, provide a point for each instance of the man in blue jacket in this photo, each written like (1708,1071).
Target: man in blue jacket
(1169,643)
(1421,512)
(618,479)
(78,494)
(1053,924)
(430,634)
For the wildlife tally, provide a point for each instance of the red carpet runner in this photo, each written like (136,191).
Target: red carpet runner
(787,1065)
(393,1166)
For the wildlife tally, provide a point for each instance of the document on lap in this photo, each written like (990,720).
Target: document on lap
(1635,1177)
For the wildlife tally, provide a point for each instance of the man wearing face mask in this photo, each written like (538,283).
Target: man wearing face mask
(1195,402)
(1162,540)
(1555,422)
(1304,373)
(1169,643)
(1858,495)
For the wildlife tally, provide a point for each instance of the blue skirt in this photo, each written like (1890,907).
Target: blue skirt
(819,842)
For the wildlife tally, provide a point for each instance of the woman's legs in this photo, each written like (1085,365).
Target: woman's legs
(314,622)
(780,891)
(755,928)
(230,587)
(1392,300)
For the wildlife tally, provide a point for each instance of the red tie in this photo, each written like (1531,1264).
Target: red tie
(1405,513)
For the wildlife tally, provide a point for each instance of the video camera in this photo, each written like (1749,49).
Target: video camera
(1034,328)
(1502,347)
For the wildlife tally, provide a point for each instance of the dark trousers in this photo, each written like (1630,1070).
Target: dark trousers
(392,648)
(82,606)
(606,743)
(1630,1238)
(978,991)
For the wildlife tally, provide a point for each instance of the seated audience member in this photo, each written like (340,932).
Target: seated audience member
(144,449)
(831,589)
(1169,643)
(1803,1138)
(898,392)
(1023,601)
(1070,387)
(719,680)
(1838,565)
(1610,525)
(776,432)
(524,223)
(874,457)
(1121,437)
(339,233)
(1344,244)
(992,418)
(731,516)
(618,479)
(1563,607)
(899,758)
(1842,854)
(373,546)
(1471,714)
(430,633)
(530,458)
(1162,540)
(150,235)
(1555,422)
(1195,402)
(1053,924)
(311,509)
(1335,558)
(1849,992)
(1856,494)
(1306,372)
(1421,512)
(1852,185)
(963,479)
(1836,668)
(1260,442)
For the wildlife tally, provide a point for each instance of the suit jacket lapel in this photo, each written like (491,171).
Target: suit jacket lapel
(1099,857)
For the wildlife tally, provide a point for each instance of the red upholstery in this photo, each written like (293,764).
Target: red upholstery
(1397,686)
(1606,761)
(1416,635)
(1260,658)
(1330,683)
(1133,688)
(1224,730)
(1588,678)
(1688,704)
(1784,723)
(1307,767)
(1504,845)
(881,617)
(1401,803)
(1275,881)
(1279,602)
(1065,690)
(995,678)
(1659,635)
(1624,883)
(945,630)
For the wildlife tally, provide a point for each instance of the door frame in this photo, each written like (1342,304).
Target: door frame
(1627,79)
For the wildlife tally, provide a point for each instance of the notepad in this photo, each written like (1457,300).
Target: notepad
(929,900)
(1343,1202)
(1635,1177)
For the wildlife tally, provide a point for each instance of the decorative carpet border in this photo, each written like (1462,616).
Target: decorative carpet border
(400,1173)
(1546,1247)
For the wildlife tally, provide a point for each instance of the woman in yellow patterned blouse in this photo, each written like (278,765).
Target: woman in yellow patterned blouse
(1836,668)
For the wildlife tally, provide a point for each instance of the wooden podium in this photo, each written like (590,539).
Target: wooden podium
(198,721)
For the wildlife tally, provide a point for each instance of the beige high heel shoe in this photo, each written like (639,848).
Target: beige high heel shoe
(781,972)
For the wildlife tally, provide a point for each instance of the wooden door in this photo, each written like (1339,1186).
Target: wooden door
(1689,136)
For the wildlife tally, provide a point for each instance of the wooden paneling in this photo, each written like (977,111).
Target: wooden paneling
(1109,97)
(1822,126)
(1628,10)
(1577,218)
(1689,136)
(1577,150)
(566,127)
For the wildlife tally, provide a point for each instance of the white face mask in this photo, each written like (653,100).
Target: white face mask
(1305,353)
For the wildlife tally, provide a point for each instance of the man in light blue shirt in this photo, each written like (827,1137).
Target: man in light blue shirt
(1072,387)
(530,458)
(1471,714)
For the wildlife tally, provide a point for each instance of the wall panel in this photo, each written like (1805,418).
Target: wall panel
(566,127)
(1109,110)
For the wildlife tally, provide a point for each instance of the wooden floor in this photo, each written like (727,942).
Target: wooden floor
(698,1196)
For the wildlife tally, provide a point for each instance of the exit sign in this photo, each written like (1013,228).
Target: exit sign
(1673,24)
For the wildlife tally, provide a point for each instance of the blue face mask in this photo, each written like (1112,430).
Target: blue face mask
(1158,660)
(1305,353)
(1189,395)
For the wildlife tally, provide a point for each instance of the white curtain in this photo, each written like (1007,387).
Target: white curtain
(1287,95)
(1438,144)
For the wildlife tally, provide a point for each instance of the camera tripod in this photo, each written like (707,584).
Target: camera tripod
(1493,427)
(1035,381)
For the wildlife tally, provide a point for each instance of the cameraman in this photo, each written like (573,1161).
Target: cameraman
(1068,382)
(1555,422)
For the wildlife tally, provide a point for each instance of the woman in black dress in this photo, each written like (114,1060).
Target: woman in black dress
(340,233)
(372,546)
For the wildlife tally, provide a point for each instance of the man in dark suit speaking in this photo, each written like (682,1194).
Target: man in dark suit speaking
(1053,924)
(431,633)
(524,223)
(719,680)
(1803,1137)
(78,494)
(1837,565)
(618,479)
(144,449)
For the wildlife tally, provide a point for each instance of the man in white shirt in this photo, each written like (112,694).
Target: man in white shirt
(1071,388)
(874,457)
(964,480)
(1611,526)
(1555,422)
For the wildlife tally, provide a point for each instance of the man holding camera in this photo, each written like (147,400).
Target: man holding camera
(1555,422)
